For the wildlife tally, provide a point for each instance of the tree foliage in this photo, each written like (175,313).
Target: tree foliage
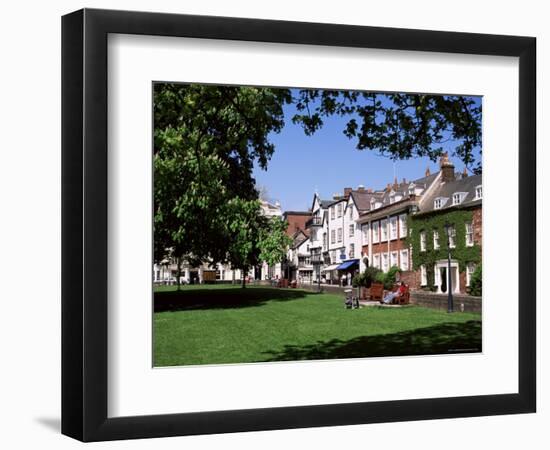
(400,126)
(206,140)
(273,241)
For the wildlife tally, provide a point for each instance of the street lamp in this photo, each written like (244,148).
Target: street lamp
(448,228)
(316,260)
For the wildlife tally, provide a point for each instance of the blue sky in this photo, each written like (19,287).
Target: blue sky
(327,162)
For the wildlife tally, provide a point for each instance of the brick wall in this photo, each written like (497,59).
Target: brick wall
(461,302)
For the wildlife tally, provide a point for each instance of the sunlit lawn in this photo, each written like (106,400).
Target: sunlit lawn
(227,324)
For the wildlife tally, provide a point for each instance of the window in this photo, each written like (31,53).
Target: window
(438,203)
(436,239)
(352,250)
(339,234)
(452,237)
(393,259)
(333,256)
(470,269)
(332,236)
(376,260)
(324,241)
(404,260)
(351,211)
(339,206)
(457,198)
(332,212)
(307,248)
(469,234)
(422,241)
(375,234)
(385,262)
(384,230)
(479,192)
(393,228)
(351,230)
(423,275)
(365,229)
(403,226)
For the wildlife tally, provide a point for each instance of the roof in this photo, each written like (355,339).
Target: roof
(297,213)
(362,199)
(462,184)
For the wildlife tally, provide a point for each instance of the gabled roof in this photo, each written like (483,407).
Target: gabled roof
(446,190)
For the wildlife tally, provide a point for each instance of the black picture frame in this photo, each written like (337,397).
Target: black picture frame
(84,224)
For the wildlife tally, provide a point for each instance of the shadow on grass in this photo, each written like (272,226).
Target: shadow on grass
(443,338)
(222,298)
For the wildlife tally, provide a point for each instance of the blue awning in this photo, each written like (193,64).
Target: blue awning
(347,264)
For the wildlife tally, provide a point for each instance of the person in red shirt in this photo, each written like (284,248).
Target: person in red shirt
(390,296)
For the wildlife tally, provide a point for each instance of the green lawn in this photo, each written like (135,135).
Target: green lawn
(226,324)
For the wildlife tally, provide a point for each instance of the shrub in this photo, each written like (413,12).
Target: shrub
(366,278)
(475,282)
(387,279)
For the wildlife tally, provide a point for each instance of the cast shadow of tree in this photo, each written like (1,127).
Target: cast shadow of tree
(222,298)
(443,338)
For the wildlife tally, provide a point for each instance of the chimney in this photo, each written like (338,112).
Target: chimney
(336,196)
(464,173)
(427,173)
(388,187)
(395,183)
(361,188)
(404,181)
(447,168)
(369,190)
(347,192)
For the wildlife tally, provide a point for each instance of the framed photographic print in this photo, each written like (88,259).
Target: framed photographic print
(273,225)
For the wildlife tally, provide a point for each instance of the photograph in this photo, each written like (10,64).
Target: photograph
(297,224)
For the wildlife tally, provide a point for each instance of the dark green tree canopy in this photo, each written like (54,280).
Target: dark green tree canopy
(400,126)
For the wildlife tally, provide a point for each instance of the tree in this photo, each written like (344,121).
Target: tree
(401,126)
(206,140)
(244,225)
(273,242)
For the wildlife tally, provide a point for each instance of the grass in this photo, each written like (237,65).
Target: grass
(225,324)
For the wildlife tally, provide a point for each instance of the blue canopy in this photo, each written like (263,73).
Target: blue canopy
(347,264)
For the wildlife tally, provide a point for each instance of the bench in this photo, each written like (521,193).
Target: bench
(376,291)
(402,299)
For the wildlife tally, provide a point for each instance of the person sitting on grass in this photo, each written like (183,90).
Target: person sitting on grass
(390,296)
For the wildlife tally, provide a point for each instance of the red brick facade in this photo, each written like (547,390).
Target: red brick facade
(296,221)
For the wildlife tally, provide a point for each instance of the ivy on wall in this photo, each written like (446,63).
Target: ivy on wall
(461,253)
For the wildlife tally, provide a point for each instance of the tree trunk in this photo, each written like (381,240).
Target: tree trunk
(243,281)
(178,276)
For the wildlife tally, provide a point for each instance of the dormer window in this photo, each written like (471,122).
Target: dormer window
(458,197)
(439,202)
(412,189)
(479,192)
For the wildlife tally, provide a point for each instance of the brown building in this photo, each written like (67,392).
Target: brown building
(296,221)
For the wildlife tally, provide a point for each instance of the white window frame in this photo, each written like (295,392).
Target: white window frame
(404,260)
(469,272)
(333,236)
(385,262)
(469,234)
(365,234)
(383,230)
(339,210)
(340,234)
(393,227)
(376,260)
(452,237)
(352,250)
(394,259)
(351,211)
(375,232)
(423,275)
(403,226)
(422,241)
(332,213)
(479,192)
(438,203)
(351,230)
(437,244)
